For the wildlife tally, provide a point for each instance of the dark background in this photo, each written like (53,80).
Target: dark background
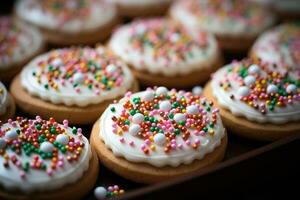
(271,175)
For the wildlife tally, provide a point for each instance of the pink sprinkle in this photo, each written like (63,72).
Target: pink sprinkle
(202,133)
(22,174)
(122,140)
(77,90)
(147,141)
(131,143)
(49,172)
(180,146)
(110,188)
(197,141)
(188,142)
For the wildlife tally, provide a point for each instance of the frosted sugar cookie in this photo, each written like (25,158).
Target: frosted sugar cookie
(19,43)
(256,100)
(66,22)
(159,134)
(7,104)
(42,159)
(72,83)
(161,52)
(279,46)
(235,23)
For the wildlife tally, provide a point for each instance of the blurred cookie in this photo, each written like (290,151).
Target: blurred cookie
(19,44)
(71,21)
(161,52)
(235,23)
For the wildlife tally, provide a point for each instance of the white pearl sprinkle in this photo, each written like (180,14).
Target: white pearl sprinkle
(165,105)
(111,69)
(174,37)
(2,143)
(253,69)
(243,91)
(11,134)
(291,88)
(100,193)
(249,80)
(63,139)
(138,118)
(159,139)
(140,29)
(57,62)
(178,117)
(162,90)
(47,147)
(134,129)
(197,90)
(78,78)
(148,96)
(192,110)
(272,88)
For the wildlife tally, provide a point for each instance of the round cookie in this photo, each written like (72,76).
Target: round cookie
(137,8)
(236,24)
(72,83)
(161,52)
(256,100)
(7,104)
(41,159)
(69,22)
(19,43)
(279,46)
(155,135)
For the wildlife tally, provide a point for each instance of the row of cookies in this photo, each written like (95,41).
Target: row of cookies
(64,82)
(147,136)
(90,21)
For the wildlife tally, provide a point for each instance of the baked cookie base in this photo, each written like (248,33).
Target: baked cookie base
(143,11)
(180,81)
(235,45)
(252,130)
(72,191)
(146,173)
(10,112)
(76,115)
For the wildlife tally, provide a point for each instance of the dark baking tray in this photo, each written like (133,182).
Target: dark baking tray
(246,163)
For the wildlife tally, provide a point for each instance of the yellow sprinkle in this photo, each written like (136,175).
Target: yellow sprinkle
(152,147)
(151,138)
(121,192)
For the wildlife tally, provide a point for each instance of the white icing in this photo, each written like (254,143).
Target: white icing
(157,158)
(4,100)
(217,23)
(270,49)
(25,42)
(203,57)
(38,180)
(67,95)
(99,14)
(238,108)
